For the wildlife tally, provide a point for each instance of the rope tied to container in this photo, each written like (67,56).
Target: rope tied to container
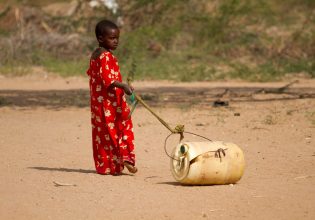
(186,132)
(218,153)
(179,129)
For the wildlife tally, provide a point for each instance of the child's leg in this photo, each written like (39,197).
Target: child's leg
(126,142)
(106,155)
(130,167)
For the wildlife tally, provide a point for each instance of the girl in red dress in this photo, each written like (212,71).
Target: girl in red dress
(112,132)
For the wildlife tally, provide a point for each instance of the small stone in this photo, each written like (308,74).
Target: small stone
(200,124)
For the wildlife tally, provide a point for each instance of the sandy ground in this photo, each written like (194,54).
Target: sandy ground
(42,143)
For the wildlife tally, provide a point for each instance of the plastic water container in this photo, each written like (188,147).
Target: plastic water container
(207,163)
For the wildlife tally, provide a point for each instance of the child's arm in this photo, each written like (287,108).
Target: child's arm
(127,89)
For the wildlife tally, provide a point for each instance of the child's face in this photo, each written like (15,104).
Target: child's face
(109,39)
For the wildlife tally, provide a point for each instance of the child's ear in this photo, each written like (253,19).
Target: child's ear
(100,39)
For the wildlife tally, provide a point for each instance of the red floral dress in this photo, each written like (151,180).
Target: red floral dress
(112,132)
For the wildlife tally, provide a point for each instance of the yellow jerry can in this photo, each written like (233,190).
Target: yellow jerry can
(207,163)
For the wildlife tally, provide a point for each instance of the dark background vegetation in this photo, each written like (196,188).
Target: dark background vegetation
(180,40)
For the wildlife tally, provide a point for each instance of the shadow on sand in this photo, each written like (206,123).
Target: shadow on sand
(63,170)
(68,170)
(171,96)
(170,183)
(186,185)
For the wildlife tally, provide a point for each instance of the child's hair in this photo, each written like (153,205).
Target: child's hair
(103,26)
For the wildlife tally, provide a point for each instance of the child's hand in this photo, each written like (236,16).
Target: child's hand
(128,89)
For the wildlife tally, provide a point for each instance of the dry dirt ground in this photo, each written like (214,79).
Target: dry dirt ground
(46,139)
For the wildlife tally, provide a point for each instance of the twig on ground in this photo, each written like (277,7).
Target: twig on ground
(256,196)
(303,177)
(63,184)
(260,128)
(150,177)
(276,90)
(214,210)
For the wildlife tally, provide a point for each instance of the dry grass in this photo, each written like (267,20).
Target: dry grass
(175,40)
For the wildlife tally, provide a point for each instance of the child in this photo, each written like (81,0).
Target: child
(112,134)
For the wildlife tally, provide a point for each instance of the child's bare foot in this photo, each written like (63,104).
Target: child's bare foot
(130,167)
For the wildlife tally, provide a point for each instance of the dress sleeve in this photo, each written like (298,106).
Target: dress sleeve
(106,70)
